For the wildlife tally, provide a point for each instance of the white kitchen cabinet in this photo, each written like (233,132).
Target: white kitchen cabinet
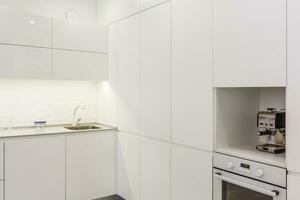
(91,165)
(155,170)
(24,62)
(192,92)
(128,166)
(1,163)
(75,65)
(191,174)
(82,36)
(1,190)
(35,168)
(150,3)
(292,91)
(293,185)
(25,29)
(249,43)
(128,75)
(155,75)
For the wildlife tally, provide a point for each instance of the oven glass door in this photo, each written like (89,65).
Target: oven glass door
(234,192)
(229,186)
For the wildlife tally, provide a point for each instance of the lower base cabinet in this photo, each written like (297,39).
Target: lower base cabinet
(35,168)
(1,190)
(191,174)
(293,185)
(90,166)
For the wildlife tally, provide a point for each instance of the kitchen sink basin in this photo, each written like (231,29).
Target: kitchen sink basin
(83,127)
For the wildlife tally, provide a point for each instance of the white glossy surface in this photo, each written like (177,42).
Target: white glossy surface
(155,72)
(249,43)
(250,152)
(25,29)
(91,165)
(191,174)
(293,92)
(74,65)
(293,184)
(192,92)
(35,168)
(76,35)
(128,166)
(128,75)
(155,170)
(1,162)
(24,62)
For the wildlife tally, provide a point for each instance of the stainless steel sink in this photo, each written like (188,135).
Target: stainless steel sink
(83,127)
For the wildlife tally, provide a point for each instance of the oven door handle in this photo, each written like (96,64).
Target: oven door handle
(272,193)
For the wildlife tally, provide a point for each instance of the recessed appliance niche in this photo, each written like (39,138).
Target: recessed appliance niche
(236,115)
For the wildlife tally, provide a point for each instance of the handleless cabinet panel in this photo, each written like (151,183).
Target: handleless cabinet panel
(192,84)
(23,29)
(292,91)
(83,36)
(249,43)
(74,65)
(91,165)
(128,75)
(293,185)
(35,168)
(128,166)
(1,165)
(155,73)
(155,170)
(191,174)
(24,62)
(1,190)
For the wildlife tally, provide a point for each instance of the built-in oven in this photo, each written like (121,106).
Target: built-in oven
(240,179)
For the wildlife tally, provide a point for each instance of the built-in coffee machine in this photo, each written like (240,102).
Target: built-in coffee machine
(271,131)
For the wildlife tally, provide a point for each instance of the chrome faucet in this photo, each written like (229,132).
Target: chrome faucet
(75,119)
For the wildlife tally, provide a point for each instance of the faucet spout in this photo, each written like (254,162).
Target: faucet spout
(75,119)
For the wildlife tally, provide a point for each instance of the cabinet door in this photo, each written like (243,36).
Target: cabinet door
(83,36)
(75,65)
(191,174)
(150,3)
(293,185)
(1,190)
(249,43)
(293,92)
(91,166)
(24,62)
(23,29)
(128,166)
(156,72)
(35,168)
(1,162)
(155,170)
(192,91)
(128,75)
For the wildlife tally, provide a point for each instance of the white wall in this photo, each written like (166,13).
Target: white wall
(24,101)
(79,9)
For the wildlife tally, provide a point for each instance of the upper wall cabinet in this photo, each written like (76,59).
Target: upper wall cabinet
(24,29)
(75,65)
(249,43)
(82,36)
(25,62)
(192,92)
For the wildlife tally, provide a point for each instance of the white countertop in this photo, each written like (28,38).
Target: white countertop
(250,153)
(48,130)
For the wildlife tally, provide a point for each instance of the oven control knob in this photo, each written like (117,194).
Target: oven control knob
(259,173)
(230,165)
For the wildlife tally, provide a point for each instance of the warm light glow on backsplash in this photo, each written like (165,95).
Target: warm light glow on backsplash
(24,101)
